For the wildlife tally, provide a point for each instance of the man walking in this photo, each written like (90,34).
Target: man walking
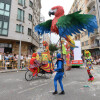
(59,74)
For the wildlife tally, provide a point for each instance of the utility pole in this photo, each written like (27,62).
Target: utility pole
(19,56)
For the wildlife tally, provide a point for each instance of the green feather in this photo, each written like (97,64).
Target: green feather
(73,19)
(46,24)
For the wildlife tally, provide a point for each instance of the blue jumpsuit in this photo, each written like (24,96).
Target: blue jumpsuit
(59,74)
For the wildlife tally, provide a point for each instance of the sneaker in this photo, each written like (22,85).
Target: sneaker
(54,92)
(92,78)
(89,79)
(62,92)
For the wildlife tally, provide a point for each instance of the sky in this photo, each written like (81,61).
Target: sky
(48,4)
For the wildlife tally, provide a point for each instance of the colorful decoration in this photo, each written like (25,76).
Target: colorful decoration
(68,54)
(33,68)
(36,66)
(44,58)
(66,25)
(89,66)
(47,67)
(63,47)
(47,52)
(41,61)
(87,53)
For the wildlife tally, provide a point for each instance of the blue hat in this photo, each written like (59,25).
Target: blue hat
(58,55)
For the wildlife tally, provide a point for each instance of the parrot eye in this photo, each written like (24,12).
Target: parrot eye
(55,10)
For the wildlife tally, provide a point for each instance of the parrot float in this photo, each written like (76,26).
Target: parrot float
(66,25)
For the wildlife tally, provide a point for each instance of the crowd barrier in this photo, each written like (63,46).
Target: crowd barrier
(13,64)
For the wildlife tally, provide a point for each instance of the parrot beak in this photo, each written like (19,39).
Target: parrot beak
(52,12)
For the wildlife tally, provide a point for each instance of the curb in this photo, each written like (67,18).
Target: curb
(14,70)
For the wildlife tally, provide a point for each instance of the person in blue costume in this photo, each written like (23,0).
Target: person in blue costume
(59,74)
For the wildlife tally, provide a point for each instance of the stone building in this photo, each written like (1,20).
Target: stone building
(92,42)
(17,21)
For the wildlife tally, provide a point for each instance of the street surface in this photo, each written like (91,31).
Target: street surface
(13,86)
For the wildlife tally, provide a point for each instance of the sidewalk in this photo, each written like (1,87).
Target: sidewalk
(12,70)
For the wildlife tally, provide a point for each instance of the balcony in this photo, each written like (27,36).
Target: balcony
(90,3)
(92,11)
(95,34)
(95,40)
(95,45)
(35,38)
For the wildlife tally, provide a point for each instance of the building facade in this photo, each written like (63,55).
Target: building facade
(17,21)
(92,42)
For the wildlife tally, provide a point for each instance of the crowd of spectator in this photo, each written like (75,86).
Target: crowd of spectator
(96,59)
(10,58)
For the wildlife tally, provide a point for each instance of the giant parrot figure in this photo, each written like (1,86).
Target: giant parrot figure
(66,25)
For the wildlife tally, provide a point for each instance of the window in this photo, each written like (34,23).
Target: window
(4,9)
(19,28)
(0,31)
(7,7)
(1,12)
(93,8)
(30,3)
(29,31)
(30,17)
(82,43)
(21,2)
(5,25)
(6,13)
(86,32)
(3,45)
(4,32)
(86,42)
(41,45)
(3,28)
(82,35)
(20,15)
(1,5)
(0,24)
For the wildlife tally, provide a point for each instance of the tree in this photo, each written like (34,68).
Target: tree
(52,48)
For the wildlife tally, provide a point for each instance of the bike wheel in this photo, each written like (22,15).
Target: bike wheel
(28,75)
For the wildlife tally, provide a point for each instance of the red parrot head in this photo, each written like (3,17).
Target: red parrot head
(58,11)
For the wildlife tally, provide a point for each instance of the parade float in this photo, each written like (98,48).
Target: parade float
(40,64)
(67,25)
(77,56)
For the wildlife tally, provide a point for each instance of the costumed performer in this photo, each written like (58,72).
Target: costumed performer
(32,62)
(89,66)
(59,74)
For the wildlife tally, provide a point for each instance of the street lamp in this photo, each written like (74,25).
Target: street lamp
(18,66)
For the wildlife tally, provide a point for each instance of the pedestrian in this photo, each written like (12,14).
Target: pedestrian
(89,67)
(6,58)
(59,74)
(1,59)
(15,58)
(32,66)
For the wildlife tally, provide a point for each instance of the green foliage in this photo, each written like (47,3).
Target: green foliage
(52,48)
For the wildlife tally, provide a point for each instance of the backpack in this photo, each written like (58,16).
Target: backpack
(61,59)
